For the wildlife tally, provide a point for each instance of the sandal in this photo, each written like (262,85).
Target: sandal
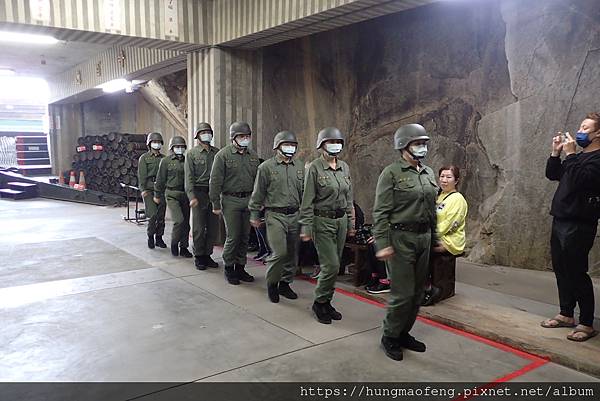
(549,323)
(581,335)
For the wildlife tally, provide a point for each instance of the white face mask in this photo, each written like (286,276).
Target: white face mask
(243,143)
(156,145)
(205,138)
(288,150)
(333,148)
(418,151)
(178,150)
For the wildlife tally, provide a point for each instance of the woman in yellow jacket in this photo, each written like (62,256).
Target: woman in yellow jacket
(451,215)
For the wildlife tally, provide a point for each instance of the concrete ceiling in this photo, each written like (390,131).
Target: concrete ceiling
(46,60)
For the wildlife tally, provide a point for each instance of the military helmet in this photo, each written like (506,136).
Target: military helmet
(201,127)
(177,140)
(154,136)
(284,136)
(408,133)
(239,128)
(329,133)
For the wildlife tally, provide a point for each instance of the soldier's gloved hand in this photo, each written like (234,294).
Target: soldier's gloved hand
(145,193)
(305,237)
(255,223)
(217,212)
(385,253)
(156,200)
(194,202)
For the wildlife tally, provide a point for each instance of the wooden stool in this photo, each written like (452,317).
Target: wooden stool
(443,273)
(360,260)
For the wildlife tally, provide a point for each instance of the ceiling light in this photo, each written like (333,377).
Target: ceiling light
(6,72)
(115,85)
(27,38)
(24,88)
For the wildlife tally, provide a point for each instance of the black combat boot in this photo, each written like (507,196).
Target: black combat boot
(208,261)
(242,274)
(185,253)
(231,276)
(159,242)
(409,342)
(392,348)
(151,241)
(273,292)
(321,313)
(175,249)
(335,315)
(286,291)
(200,263)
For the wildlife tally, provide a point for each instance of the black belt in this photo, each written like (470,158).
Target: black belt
(238,194)
(412,227)
(332,214)
(283,210)
(203,188)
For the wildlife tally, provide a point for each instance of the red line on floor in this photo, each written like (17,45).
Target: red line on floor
(512,375)
(522,371)
(537,360)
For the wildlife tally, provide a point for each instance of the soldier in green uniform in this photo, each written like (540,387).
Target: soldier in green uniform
(147,170)
(231,182)
(404,226)
(278,189)
(198,163)
(326,216)
(170,185)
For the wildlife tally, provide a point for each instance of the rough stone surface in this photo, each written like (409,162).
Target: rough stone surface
(492,81)
(175,86)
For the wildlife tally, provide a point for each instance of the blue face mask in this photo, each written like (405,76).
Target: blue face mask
(582,139)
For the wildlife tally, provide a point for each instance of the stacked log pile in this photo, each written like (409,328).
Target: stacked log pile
(109,161)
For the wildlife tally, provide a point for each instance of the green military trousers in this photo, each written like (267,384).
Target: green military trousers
(283,235)
(237,226)
(329,236)
(407,270)
(204,224)
(155,214)
(179,208)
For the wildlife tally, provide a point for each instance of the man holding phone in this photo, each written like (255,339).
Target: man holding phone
(576,210)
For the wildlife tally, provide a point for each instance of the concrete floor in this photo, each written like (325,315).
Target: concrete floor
(83,299)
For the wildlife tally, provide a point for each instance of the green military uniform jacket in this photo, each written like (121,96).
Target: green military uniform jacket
(147,170)
(198,164)
(278,185)
(232,172)
(404,195)
(326,189)
(171,175)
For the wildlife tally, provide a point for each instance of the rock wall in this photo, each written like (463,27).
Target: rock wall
(491,81)
(123,112)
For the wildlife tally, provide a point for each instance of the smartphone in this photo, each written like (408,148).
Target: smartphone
(563,136)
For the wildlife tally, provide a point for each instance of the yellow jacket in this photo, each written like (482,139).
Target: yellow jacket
(451,215)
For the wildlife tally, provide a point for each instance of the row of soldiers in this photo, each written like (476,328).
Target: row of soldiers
(313,203)
(211,182)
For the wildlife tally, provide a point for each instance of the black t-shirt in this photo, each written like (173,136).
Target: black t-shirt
(578,194)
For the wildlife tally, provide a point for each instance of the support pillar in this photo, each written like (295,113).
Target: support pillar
(224,86)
